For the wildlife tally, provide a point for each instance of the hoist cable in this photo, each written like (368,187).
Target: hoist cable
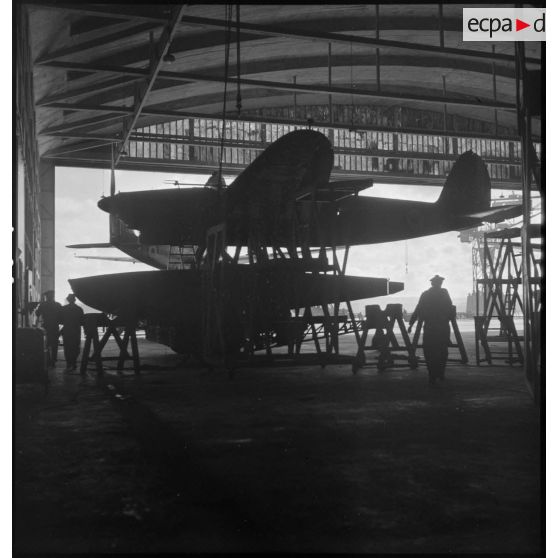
(228,12)
(238,96)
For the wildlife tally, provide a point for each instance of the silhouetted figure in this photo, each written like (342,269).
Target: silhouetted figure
(72,320)
(216,181)
(50,313)
(435,309)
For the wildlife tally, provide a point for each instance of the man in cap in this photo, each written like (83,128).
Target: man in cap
(435,308)
(49,311)
(72,319)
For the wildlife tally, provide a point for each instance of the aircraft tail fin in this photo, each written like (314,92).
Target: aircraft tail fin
(467,188)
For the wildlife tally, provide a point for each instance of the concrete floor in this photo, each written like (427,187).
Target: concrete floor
(299,459)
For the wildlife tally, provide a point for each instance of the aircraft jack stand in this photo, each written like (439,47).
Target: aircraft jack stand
(505,338)
(463,358)
(385,340)
(91,324)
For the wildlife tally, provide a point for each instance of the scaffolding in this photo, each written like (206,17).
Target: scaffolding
(239,326)
(500,294)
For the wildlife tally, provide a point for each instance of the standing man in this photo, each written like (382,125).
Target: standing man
(50,312)
(435,309)
(72,320)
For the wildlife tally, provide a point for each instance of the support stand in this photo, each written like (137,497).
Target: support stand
(504,334)
(457,344)
(215,292)
(503,301)
(385,341)
(91,324)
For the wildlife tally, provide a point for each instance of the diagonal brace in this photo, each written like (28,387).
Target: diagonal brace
(155,66)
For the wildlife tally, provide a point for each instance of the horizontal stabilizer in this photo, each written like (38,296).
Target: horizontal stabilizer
(353,183)
(108,259)
(335,190)
(94,245)
(496,214)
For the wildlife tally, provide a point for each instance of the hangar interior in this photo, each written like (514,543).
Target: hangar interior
(195,88)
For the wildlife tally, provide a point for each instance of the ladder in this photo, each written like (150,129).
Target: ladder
(181,256)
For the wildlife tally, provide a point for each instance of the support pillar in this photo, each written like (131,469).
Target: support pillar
(46,211)
(532,345)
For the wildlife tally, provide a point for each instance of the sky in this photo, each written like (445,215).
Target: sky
(413,262)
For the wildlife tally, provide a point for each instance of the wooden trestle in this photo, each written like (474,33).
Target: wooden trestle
(389,352)
(455,343)
(92,323)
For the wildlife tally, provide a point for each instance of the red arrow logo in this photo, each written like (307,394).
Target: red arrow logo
(519,25)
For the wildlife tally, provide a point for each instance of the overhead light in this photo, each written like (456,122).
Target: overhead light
(169,58)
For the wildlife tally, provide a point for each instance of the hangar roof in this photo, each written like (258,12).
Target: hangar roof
(102,70)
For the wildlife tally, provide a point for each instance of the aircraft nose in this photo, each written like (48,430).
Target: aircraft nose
(105,204)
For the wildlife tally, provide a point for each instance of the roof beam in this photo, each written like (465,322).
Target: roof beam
(157,61)
(74,148)
(95,121)
(106,10)
(89,89)
(278,31)
(97,42)
(189,77)
(300,63)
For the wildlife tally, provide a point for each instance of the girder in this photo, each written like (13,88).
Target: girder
(302,88)
(99,75)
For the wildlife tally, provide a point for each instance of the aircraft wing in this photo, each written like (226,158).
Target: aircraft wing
(94,245)
(109,259)
(297,162)
(496,214)
(335,190)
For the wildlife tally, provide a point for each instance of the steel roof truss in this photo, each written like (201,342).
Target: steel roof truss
(97,42)
(189,77)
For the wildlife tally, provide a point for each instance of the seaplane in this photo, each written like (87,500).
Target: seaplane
(281,186)
(282,205)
